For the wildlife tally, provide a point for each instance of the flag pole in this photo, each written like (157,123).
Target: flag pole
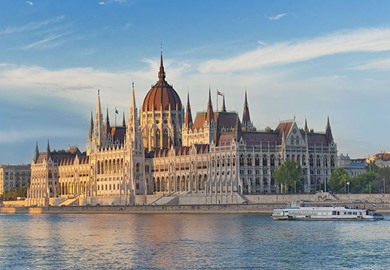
(115,116)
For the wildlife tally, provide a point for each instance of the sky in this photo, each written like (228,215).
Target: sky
(296,59)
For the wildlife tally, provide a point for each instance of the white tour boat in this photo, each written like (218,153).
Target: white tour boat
(324,213)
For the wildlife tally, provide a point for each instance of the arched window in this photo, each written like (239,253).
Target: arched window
(249,160)
(241,160)
(272,161)
(257,160)
(265,161)
(157,138)
(137,167)
(165,139)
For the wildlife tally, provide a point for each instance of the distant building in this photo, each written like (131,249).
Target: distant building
(352,166)
(14,176)
(381,160)
(163,151)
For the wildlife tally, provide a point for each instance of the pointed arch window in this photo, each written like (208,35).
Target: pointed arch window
(165,138)
(158,138)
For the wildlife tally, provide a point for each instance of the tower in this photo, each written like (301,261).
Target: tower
(162,115)
(134,177)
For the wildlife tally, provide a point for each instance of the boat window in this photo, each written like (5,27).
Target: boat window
(355,213)
(334,213)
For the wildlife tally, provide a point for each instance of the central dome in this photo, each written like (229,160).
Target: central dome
(162,95)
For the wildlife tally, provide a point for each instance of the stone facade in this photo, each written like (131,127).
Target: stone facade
(163,151)
(14,176)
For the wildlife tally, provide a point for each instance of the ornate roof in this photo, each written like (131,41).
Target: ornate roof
(162,96)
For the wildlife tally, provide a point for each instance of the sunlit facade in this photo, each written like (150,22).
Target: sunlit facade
(162,151)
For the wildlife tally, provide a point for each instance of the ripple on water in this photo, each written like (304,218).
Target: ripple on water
(190,242)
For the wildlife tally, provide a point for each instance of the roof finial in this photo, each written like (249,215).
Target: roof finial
(161,74)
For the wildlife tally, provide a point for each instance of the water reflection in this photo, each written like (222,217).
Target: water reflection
(189,241)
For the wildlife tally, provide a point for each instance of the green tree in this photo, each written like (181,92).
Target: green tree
(338,180)
(364,182)
(289,175)
(383,179)
(14,193)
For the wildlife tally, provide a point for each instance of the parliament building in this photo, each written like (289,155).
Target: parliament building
(163,153)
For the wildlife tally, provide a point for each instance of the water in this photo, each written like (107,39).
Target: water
(164,241)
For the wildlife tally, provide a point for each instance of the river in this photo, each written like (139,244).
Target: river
(190,241)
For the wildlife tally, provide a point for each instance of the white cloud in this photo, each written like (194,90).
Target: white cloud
(376,65)
(30,3)
(48,42)
(277,17)
(361,40)
(30,26)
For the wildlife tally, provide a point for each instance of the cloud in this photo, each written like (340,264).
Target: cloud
(30,26)
(277,17)
(30,3)
(48,42)
(103,3)
(376,65)
(360,40)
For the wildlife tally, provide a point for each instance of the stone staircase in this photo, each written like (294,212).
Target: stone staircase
(70,202)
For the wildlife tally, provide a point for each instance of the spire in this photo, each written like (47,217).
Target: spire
(36,154)
(107,127)
(306,127)
(246,118)
(223,104)
(47,150)
(188,116)
(98,106)
(132,102)
(328,132)
(124,120)
(161,73)
(90,133)
(210,112)
(132,132)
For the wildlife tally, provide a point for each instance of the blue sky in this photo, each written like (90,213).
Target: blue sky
(303,59)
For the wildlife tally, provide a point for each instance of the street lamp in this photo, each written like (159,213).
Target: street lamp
(348,187)
(295,187)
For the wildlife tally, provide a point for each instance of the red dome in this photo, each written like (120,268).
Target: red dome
(162,96)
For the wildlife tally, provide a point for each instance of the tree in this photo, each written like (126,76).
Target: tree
(289,175)
(338,180)
(383,178)
(364,182)
(14,193)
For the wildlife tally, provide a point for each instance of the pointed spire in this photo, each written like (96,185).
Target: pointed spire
(107,126)
(223,104)
(210,112)
(328,131)
(306,126)
(246,118)
(188,116)
(47,150)
(161,73)
(98,106)
(132,102)
(123,120)
(90,133)
(36,154)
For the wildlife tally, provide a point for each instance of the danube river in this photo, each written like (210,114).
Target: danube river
(185,241)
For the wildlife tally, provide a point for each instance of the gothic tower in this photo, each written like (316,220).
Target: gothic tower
(134,177)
